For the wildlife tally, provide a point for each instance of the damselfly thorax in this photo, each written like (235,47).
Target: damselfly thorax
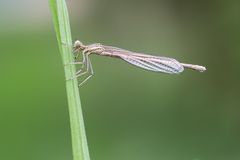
(147,62)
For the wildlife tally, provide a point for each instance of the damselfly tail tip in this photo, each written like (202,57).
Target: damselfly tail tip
(194,67)
(202,69)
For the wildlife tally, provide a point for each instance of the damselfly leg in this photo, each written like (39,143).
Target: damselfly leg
(90,71)
(86,63)
(83,63)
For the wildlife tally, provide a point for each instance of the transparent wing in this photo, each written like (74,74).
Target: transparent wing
(148,62)
(156,65)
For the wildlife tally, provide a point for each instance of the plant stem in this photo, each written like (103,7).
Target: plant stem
(63,32)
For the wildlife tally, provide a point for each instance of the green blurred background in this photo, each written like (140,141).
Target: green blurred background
(130,114)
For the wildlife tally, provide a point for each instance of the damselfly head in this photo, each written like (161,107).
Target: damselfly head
(78,45)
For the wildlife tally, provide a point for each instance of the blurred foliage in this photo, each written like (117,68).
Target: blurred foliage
(129,113)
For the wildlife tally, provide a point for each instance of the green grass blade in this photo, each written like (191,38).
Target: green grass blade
(63,32)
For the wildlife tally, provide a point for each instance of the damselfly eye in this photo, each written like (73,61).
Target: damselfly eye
(78,45)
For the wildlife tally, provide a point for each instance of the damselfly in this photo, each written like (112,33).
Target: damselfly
(148,62)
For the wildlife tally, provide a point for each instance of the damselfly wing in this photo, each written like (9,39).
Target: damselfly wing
(148,62)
